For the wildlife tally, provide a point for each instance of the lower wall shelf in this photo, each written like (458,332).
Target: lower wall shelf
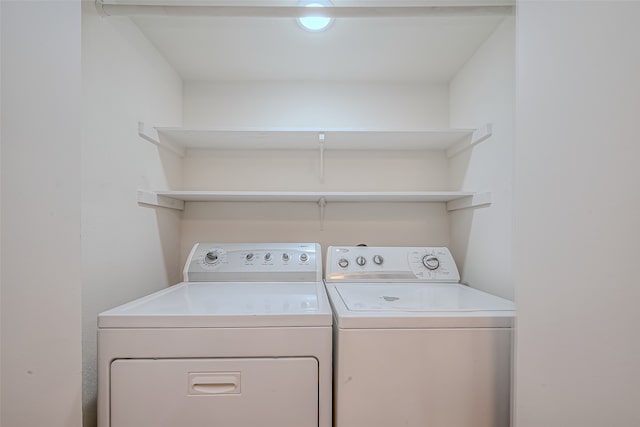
(455,200)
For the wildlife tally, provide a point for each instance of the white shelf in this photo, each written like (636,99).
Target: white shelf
(307,139)
(179,140)
(175,199)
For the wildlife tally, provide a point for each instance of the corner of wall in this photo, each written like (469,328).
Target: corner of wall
(483,91)
(125,80)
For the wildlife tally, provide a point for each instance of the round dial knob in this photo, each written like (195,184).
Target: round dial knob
(304,257)
(431,262)
(212,257)
(378,260)
(267,256)
(361,261)
(343,262)
(285,257)
(249,256)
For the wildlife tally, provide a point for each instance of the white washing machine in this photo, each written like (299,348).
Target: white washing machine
(244,341)
(412,346)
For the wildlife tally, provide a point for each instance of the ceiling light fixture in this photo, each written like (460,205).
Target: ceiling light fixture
(315,24)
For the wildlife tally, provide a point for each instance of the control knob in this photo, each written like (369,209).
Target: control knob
(343,263)
(361,261)
(285,257)
(378,260)
(431,262)
(267,256)
(212,257)
(249,256)
(304,257)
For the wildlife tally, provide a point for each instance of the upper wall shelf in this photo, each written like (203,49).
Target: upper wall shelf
(178,140)
(455,200)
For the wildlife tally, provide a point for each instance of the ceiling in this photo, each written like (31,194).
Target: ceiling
(426,49)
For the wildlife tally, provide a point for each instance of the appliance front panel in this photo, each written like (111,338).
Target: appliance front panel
(431,377)
(235,392)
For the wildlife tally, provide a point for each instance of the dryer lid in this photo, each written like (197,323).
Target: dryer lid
(220,304)
(419,298)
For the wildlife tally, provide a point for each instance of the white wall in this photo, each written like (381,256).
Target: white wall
(483,91)
(344,223)
(373,105)
(41,278)
(316,104)
(128,249)
(374,224)
(576,214)
(344,170)
(0,214)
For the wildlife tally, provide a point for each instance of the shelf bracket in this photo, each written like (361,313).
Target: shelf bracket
(473,201)
(322,203)
(151,134)
(479,135)
(154,199)
(321,147)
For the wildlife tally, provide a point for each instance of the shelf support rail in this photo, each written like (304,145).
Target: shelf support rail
(322,203)
(151,134)
(200,8)
(153,199)
(321,147)
(479,135)
(473,201)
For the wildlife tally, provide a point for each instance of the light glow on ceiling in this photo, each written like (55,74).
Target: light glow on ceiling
(315,23)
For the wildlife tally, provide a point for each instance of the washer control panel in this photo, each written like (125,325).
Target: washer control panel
(389,264)
(268,262)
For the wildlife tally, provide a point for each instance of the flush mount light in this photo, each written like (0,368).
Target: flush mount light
(315,24)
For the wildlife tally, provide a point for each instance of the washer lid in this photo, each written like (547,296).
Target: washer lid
(417,305)
(419,297)
(225,304)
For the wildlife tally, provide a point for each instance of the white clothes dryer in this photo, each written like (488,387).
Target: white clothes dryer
(244,341)
(412,346)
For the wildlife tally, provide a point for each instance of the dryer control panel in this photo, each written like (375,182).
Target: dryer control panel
(390,264)
(264,262)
